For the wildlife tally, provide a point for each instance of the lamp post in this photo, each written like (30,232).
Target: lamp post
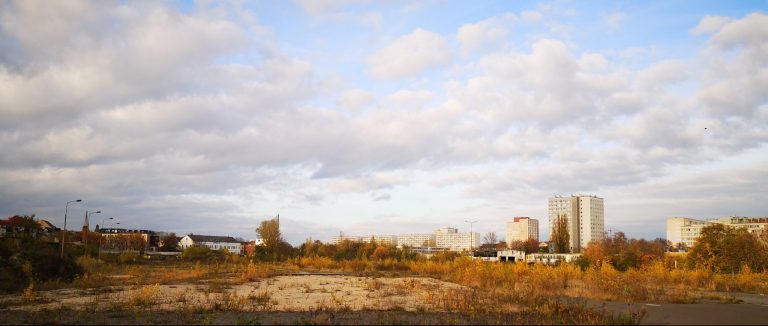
(85,239)
(100,234)
(471,235)
(116,237)
(64,231)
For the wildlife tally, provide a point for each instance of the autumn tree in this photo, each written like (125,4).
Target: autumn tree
(269,231)
(170,243)
(721,248)
(490,238)
(560,235)
(529,246)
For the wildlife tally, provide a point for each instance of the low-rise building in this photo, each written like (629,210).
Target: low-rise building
(337,239)
(380,239)
(416,240)
(212,242)
(684,231)
(551,259)
(120,239)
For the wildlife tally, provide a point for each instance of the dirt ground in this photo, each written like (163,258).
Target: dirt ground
(281,293)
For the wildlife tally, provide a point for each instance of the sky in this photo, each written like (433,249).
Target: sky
(381,117)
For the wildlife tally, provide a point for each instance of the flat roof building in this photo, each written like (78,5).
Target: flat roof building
(585,215)
(522,229)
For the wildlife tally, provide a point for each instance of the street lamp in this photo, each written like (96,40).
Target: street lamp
(100,235)
(64,231)
(85,240)
(104,219)
(471,235)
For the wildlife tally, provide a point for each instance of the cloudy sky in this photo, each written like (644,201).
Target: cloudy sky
(381,117)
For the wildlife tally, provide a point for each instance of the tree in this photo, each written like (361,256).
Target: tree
(25,225)
(560,235)
(490,238)
(721,248)
(170,243)
(269,231)
(528,246)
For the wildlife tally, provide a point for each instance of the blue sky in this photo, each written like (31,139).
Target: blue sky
(382,117)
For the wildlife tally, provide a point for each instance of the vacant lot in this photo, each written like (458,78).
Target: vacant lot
(281,293)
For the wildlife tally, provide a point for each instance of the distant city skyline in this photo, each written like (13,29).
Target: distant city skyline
(381,117)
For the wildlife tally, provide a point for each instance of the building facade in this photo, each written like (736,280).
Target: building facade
(684,231)
(212,242)
(458,241)
(522,229)
(585,216)
(416,240)
(380,239)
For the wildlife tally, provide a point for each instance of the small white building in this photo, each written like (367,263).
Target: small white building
(551,259)
(212,242)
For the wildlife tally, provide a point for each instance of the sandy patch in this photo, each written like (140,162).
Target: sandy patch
(281,293)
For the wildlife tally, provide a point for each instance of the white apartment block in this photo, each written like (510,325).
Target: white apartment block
(684,230)
(386,240)
(416,240)
(375,238)
(522,229)
(585,215)
(458,241)
(446,230)
(337,239)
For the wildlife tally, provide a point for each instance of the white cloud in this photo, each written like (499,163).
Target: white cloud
(488,34)
(409,99)
(410,55)
(531,16)
(150,112)
(614,19)
(325,7)
(355,99)
(710,24)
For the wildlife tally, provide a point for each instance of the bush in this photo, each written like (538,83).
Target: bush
(43,258)
(205,254)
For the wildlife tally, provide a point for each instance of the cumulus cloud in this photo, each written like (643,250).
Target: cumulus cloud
(710,24)
(485,35)
(410,54)
(355,99)
(153,113)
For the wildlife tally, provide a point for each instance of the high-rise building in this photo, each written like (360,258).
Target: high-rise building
(585,215)
(455,241)
(522,229)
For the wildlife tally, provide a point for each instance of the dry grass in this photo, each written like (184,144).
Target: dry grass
(523,283)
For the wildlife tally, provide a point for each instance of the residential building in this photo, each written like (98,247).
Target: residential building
(382,239)
(455,241)
(386,240)
(446,230)
(683,231)
(229,244)
(416,240)
(112,237)
(585,215)
(337,239)
(522,229)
